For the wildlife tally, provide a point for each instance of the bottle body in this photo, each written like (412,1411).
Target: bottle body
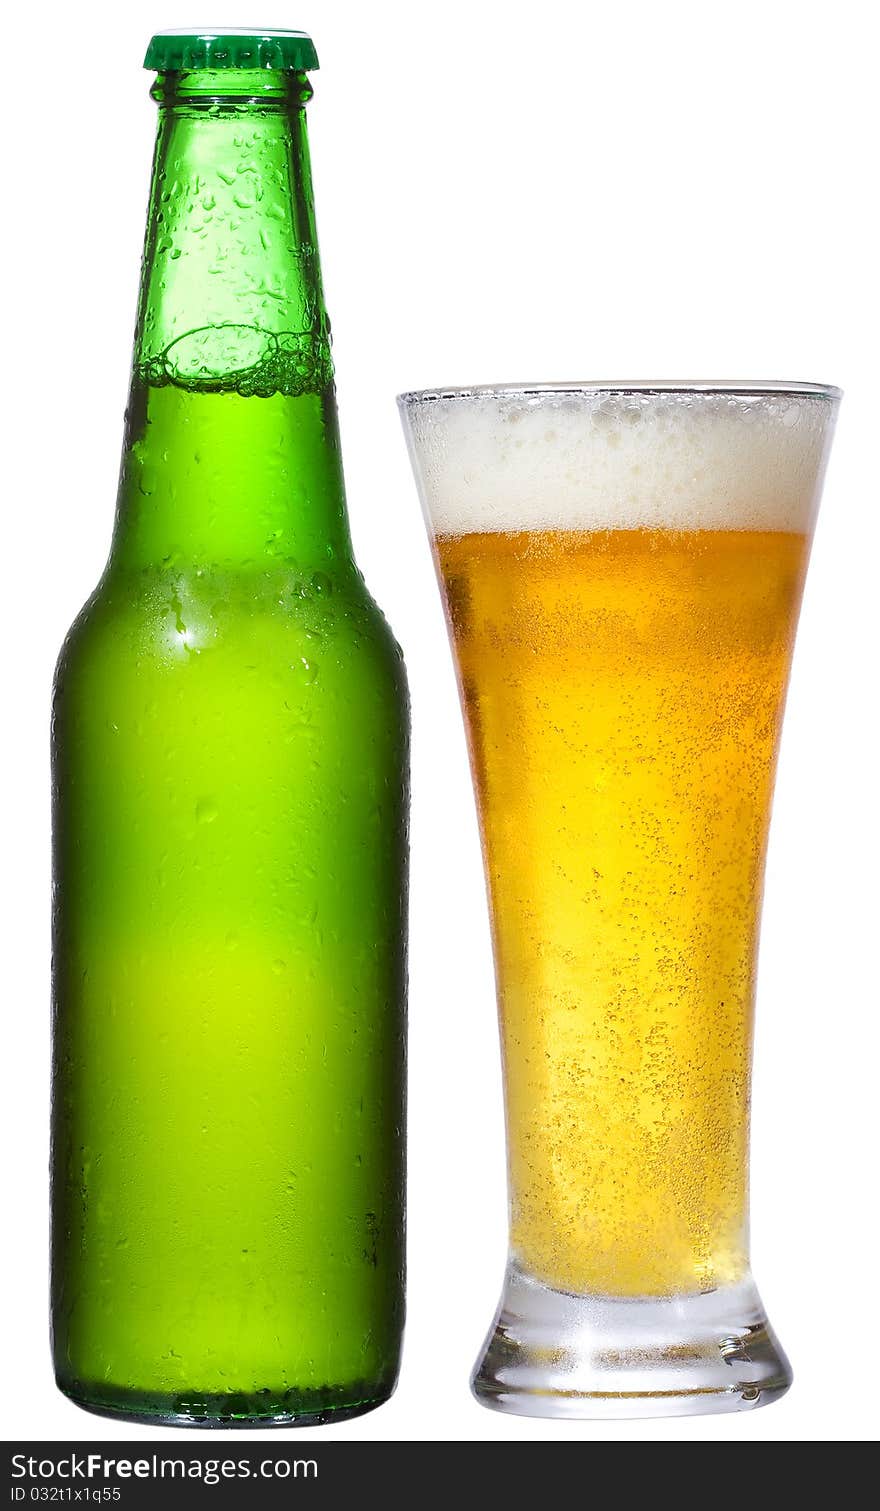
(230,790)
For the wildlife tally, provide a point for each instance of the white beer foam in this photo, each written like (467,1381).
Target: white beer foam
(502,460)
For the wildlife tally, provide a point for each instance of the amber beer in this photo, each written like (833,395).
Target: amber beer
(623,691)
(622,573)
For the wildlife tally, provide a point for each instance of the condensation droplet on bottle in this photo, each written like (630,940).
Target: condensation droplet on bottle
(307,670)
(147,481)
(206,810)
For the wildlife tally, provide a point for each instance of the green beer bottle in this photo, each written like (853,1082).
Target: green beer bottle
(230,801)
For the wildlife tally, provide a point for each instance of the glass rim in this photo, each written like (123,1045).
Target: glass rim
(709,388)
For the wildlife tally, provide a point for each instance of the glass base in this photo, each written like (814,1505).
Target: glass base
(553,1354)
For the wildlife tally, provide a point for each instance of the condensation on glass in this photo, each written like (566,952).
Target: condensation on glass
(622,569)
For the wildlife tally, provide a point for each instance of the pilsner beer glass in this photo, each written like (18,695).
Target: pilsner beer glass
(622,569)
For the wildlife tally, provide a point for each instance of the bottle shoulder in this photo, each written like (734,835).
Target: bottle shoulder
(80,634)
(207,623)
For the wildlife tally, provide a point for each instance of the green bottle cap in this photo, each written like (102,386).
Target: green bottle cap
(231,49)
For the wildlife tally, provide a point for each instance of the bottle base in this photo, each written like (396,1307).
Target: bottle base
(554,1354)
(309,1409)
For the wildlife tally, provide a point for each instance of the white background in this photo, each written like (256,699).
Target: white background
(504,191)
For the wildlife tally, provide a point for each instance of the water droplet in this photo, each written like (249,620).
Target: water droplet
(308,670)
(206,810)
(147,481)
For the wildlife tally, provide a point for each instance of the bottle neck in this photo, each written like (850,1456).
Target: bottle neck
(231,454)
